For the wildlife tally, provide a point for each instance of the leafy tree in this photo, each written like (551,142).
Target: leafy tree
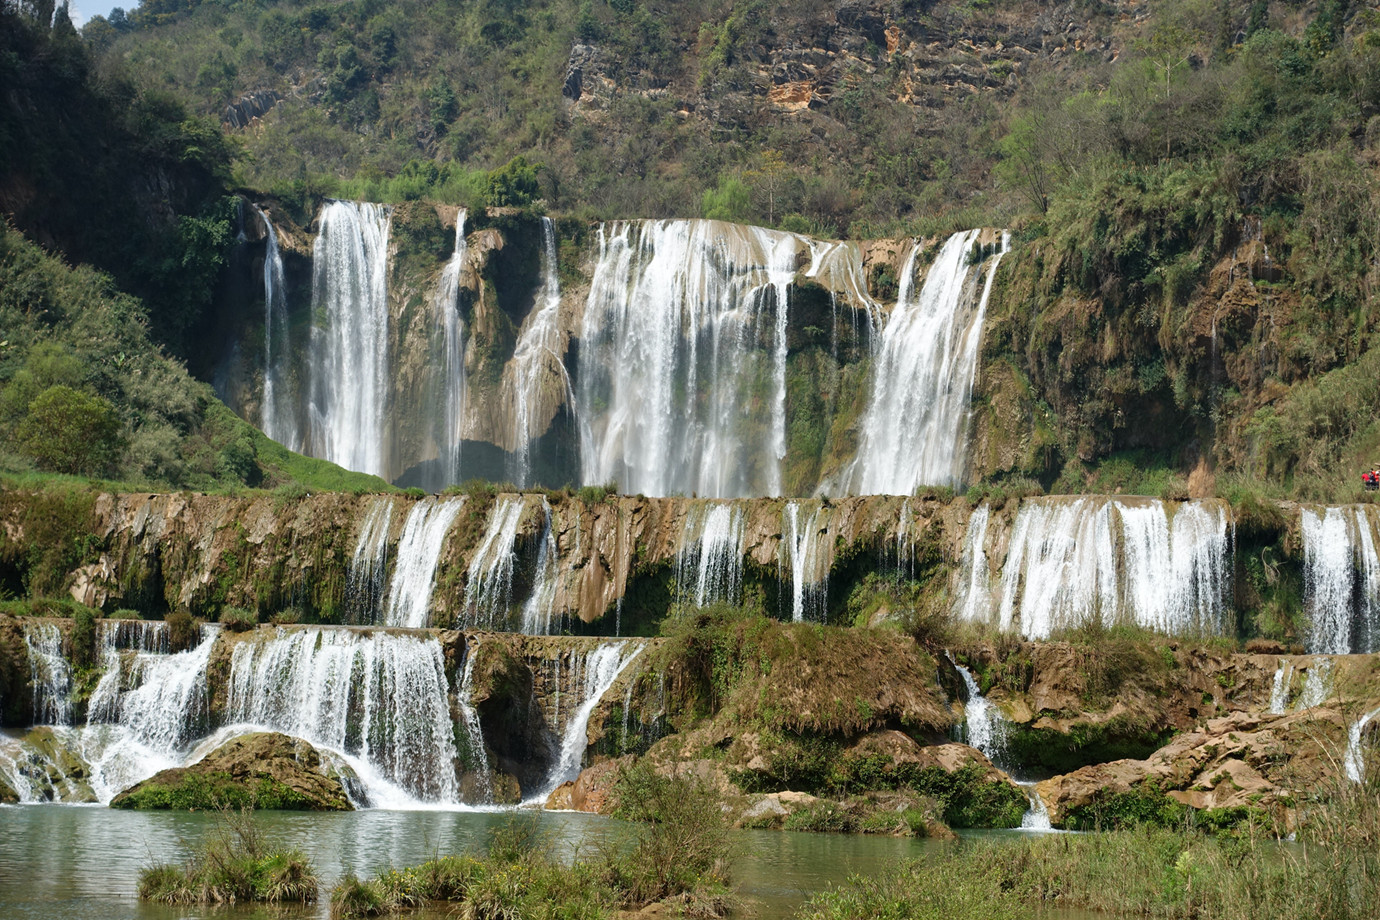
(731,200)
(512,185)
(67,431)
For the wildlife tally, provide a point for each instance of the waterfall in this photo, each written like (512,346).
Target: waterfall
(1354,761)
(682,358)
(986,729)
(810,559)
(277,416)
(349,340)
(148,709)
(537,366)
(378,699)
(451,332)
(364,582)
(593,676)
(1279,687)
(973,603)
(419,551)
(1070,562)
(984,725)
(474,732)
(915,429)
(489,584)
(1317,684)
(1341,580)
(540,608)
(709,563)
(50,677)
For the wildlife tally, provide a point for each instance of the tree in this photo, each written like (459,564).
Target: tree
(513,184)
(67,431)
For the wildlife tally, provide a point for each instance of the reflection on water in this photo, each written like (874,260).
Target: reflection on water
(82,863)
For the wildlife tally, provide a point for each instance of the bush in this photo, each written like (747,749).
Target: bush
(234,864)
(684,844)
(182,631)
(237,619)
(67,431)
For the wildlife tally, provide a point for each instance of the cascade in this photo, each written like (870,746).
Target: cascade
(915,430)
(537,363)
(973,603)
(1317,684)
(379,700)
(1354,760)
(419,551)
(277,416)
(540,607)
(489,584)
(985,728)
(451,331)
(1341,579)
(810,559)
(590,677)
(474,733)
(1120,560)
(148,709)
(692,314)
(349,340)
(364,582)
(49,674)
(1279,687)
(709,563)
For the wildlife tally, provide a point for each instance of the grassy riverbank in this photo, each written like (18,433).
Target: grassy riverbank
(1333,872)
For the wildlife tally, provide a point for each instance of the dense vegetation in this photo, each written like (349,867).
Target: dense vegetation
(235,864)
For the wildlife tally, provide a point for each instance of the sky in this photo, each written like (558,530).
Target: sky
(83,10)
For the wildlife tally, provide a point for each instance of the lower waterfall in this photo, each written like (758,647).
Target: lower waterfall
(588,678)
(1354,760)
(49,674)
(1341,579)
(709,564)
(419,550)
(1120,560)
(985,728)
(378,699)
(806,547)
(365,580)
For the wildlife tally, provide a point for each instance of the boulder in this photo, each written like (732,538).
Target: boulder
(264,770)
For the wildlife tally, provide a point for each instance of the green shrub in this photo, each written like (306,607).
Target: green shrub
(234,864)
(182,630)
(237,619)
(67,431)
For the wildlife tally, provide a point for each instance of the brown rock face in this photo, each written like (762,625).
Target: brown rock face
(1242,760)
(290,767)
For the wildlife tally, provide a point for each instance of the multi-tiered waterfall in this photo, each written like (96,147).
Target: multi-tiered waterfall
(349,341)
(1342,579)
(916,428)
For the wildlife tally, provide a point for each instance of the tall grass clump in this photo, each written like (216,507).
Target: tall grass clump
(234,864)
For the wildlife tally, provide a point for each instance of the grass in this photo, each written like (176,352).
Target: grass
(676,853)
(234,864)
(1334,873)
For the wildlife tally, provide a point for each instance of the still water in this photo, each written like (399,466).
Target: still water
(83,862)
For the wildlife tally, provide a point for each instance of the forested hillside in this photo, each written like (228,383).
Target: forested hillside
(1191,184)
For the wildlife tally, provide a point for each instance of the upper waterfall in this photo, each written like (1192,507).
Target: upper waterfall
(450,329)
(537,363)
(277,416)
(349,340)
(915,430)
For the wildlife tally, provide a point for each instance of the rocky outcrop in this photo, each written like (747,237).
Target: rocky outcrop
(263,771)
(1243,760)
